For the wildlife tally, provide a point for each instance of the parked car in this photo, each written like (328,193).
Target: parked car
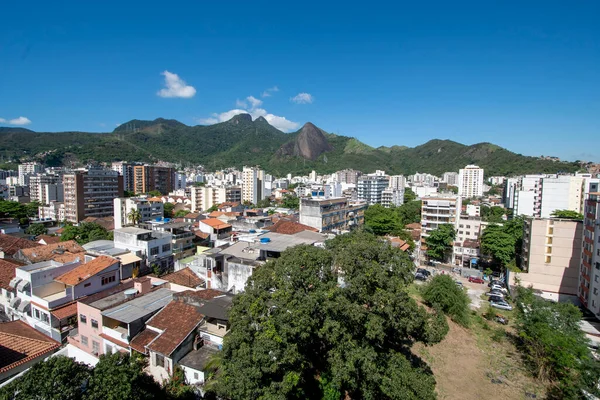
(420,277)
(496,282)
(503,305)
(499,288)
(458,283)
(495,293)
(495,299)
(423,271)
(476,279)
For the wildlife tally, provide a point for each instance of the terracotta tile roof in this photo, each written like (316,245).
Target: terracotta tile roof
(215,223)
(229,204)
(155,199)
(177,321)
(106,222)
(7,272)
(87,270)
(215,214)
(192,215)
(201,234)
(113,340)
(48,239)
(20,343)
(184,277)
(65,311)
(62,252)
(60,230)
(287,227)
(399,243)
(10,244)
(142,339)
(414,225)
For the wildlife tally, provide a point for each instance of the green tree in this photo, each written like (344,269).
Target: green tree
(291,202)
(439,242)
(134,216)
(567,214)
(86,232)
(154,193)
(442,292)
(128,193)
(297,333)
(120,376)
(36,229)
(58,378)
(168,210)
(409,212)
(503,243)
(555,347)
(382,221)
(177,387)
(409,195)
(266,202)
(213,208)
(33,209)
(181,213)
(492,214)
(13,209)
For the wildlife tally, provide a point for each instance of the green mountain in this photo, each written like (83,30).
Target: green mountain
(242,141)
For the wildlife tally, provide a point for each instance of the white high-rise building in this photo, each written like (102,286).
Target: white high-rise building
(392,197)
(27,169)
(451,178)
(252,184)
(370,188)
(204,197)
(470,182)
(45,188)
(397,182)
(124,206)
(563,192)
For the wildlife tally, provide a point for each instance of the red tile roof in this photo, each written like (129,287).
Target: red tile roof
(184,277)
(201,234)
(142,339)
(177,321)
(61,252)
(65,311)
(215,223)
(192,215)
(7,272)
(20,343)
(87,270)
(287,227)
(399,243)
(10,244)
(48,239)
(106,222)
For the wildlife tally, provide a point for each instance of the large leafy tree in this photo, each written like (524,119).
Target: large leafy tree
(502,243)
(555,347)
(442,292)
(58,378)
(439,242)
(86,232)
(36,229)
(291,202)
(492,214)
(331,322)
(567,214)
(382,221)
(168,210)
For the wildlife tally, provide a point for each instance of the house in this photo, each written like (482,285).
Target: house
(399,243)
(107,223)
(152,246)
(10,245)
(231,206)
(193,217)
(184,279)
(192,325)
(182,237)
(21,346)
(287,226)
(108,319)
(7,274)
(62,252)
(47,239)
(130,262)
(218,230)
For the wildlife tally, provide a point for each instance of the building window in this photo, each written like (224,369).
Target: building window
(166,248)
(548,260)
(84,340)
(87,284)
(160,360)
(154,251)
(36,313)
(108,279)
(82,319)
(95,347)
(94,324)
(195,375)
(45,318)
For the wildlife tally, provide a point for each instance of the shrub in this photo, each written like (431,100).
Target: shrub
(451,299)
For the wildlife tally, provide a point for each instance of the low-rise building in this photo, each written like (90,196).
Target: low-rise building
(328,215)
(153,247)
(135,210)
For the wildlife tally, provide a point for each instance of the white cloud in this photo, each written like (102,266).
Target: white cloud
(267,92)
(176,87)
(252,106)
(302,98)
(16,121)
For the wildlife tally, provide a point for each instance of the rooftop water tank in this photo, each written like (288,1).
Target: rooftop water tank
(252,231)
(130,293)
(265,240)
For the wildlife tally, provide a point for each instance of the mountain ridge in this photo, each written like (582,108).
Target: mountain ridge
(243,141)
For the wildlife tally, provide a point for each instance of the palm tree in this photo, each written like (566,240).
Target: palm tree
(134,216)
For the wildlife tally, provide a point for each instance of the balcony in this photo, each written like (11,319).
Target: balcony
(119,333)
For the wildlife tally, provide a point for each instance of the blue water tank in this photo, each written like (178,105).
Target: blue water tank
(158,219)
(265,240)
(167,219)
(252,231)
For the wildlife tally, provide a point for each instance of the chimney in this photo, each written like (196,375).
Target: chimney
(142,285)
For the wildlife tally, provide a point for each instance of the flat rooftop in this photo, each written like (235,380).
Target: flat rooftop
(281,242)
(132,230)
(42,265)
(140,306)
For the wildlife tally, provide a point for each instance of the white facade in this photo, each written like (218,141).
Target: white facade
(470,182)
(153,245)
(125,205)
(252,184)
(436,211)
(563,192)
(451,178)
(27,169)
(205,197)
(370,188)
(397,182)
(392,197)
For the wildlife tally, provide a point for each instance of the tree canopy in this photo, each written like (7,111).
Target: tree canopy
(168,210)
(567,214)
(492,214)
(36,229)
(86,232)
(326,323)
(440,241)
(291,202)
(442,292)
(502,243)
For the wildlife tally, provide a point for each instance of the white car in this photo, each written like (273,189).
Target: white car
(498,288)
(495,293)
(501,305)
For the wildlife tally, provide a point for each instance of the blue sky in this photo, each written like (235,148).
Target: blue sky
(524,75)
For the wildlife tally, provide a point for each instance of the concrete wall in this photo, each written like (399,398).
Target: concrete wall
(86,329)
(94,284)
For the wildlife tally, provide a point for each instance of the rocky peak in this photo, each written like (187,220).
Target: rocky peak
(310,143)
(241,119)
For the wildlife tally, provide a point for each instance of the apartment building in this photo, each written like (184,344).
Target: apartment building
(589,272)
(28,169)
(147,178)
(253,184)
(470,182)
(436,211)
(392,197)
(182,245)
(46,188)
(329,215)
(451,178)
(126,207)
(370,188)
(397,182)
(125,169)
(348,176)
(153,246)
(562,192)
(205,197)
(90,193)
(551,257)
(423,179)
(54,211)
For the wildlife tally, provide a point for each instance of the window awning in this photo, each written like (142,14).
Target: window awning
(23,286)
(24,306)
(14,282)
(14,302)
